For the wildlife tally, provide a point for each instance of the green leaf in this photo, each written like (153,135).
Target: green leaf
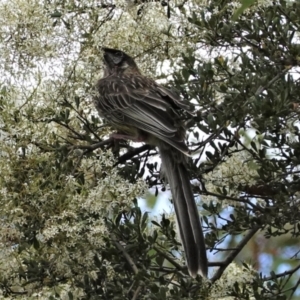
(155,223)
(56,14)
(185,74)
(245,4)
(77,101)
(253,145)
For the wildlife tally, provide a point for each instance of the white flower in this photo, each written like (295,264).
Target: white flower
(233,274)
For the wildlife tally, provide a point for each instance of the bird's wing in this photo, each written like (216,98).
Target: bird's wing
(139,102)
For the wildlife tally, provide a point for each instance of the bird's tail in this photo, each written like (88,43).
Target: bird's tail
(174,166)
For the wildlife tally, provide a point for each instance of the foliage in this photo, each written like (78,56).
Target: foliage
(71,227)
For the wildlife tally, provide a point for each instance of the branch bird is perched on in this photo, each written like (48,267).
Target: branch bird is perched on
(140,108)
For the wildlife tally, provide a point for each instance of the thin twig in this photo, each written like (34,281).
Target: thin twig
(128,155)
(294,289)
(131,263)
(92,147)
(136,293)
(234,253)
(292,271)
(262,88)
(126,255)
(220,197)
(169,259)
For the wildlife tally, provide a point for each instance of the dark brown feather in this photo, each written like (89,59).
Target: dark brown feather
(138,106)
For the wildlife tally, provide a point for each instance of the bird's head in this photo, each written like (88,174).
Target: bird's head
(117,61)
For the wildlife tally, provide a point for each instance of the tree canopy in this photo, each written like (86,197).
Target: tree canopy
(71,223)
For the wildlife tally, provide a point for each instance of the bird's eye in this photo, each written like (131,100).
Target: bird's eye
(119,54)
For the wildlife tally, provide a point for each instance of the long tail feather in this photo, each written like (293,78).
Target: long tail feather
(174,166)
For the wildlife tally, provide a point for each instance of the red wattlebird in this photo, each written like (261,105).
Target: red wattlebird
(143,110)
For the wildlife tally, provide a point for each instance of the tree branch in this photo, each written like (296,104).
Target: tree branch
(234,253)
(130,154)
(292,271)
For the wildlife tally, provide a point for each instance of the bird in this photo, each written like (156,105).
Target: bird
(142,110)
